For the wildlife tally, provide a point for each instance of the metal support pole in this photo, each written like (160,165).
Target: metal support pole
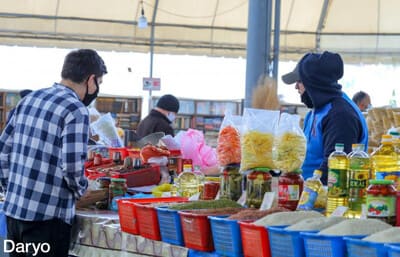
(258,49)
(153,20)
(277,28)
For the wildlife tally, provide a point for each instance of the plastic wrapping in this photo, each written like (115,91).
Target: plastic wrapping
(289,147)
(257,138)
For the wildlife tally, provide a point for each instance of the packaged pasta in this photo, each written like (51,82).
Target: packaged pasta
(228,145)
(257,138)
(289,144)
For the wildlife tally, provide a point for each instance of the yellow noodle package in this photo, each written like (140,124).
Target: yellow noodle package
(289,147)
(257,138)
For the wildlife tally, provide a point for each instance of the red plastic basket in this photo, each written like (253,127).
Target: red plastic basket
(127,211)
(196,228)
(148,221)
(142,177)
(255,240)
(196,231)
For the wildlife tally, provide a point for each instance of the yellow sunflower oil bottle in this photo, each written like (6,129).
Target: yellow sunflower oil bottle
(385,161)
(359,175)
(338,165)
(312,187)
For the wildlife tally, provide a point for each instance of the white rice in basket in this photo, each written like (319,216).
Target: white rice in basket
(355,227)
(286,218)
(391,235)
(315,224)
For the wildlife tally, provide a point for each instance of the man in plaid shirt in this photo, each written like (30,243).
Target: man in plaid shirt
(42,152)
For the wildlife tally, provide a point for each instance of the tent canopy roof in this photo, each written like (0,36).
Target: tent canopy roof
(362,31)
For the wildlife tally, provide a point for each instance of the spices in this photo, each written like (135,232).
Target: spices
(206,205)
(355,227)
(255,214)
(258,183)
(290,186)
(231,183)
(286,218)
(381,200)
(117,187)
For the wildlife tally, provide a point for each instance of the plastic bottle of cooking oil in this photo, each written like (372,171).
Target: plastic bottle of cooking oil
(338,165)
(311,189)
(385,161)
(359,175)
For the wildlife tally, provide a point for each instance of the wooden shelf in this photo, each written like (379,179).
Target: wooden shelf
(204,115)
(126,109)
(8,100)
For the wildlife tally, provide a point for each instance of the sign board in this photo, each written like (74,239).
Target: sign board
(151,84)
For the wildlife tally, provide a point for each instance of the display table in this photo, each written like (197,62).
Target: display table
(99,234)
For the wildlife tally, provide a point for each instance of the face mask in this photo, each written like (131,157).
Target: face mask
(88,99)
(171,116)
(305,99)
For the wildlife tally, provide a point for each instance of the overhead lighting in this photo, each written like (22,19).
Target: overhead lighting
(142,21)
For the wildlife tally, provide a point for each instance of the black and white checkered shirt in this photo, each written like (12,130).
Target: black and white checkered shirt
(42,151)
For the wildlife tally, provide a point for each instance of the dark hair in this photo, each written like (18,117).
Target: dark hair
(80,64)
(359,96)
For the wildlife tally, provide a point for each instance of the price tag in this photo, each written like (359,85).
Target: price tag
(268,200)
(242,199)
(194,197)
(217,196)
(364,211)
(339,211)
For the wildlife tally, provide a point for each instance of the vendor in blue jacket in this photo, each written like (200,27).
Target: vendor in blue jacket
(334,117)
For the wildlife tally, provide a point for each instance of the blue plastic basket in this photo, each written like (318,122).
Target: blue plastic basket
(359,248)
(170,226)
(226,235)
(286,243)
(325,246)
(393,250)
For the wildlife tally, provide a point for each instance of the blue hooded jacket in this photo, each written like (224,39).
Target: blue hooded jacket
(334,118)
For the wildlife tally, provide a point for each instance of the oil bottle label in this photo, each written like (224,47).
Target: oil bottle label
(289,192)
(307,199)
(337,186)
(381,206)
(357,183)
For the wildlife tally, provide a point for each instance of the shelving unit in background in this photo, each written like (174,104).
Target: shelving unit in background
(204,115)
(126,109)
(8,100)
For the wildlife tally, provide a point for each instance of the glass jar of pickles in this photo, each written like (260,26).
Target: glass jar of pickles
(117,187)
(381,200)
(231,183)
(258,183)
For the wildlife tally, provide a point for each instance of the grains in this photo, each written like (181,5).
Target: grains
(356,227)
(314,224)
(255,214)
(287,218)
(391,235)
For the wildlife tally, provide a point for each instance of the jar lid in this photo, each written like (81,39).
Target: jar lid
(122,180)
(260,169)
(381,182)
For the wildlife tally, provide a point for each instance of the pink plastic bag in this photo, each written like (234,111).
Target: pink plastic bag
(193,147)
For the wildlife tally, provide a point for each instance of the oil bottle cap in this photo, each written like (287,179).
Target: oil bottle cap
(318,172)
(386,138)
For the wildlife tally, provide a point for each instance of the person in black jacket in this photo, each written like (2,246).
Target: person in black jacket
(160,118)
